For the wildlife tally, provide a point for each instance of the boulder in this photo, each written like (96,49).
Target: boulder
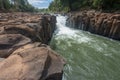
(23,56)
(37,27)
(39,63)
(10,42)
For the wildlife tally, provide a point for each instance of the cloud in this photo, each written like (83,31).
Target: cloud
(40,3)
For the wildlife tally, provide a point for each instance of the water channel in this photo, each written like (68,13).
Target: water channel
(88,56)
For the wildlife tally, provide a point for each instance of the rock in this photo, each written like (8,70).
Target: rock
(37,27)
(1,59)
(54,72)
(10,42)
(116,16)
(27,46)
(39,63)
(105,24)
(23,56)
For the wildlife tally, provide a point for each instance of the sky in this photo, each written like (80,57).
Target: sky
(40,3)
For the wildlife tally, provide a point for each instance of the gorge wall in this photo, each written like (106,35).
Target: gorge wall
(105,24)
(23,56)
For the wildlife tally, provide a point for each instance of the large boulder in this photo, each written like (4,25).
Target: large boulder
(38,63)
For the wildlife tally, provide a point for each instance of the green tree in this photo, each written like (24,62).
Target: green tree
(16,5)
(5,4)
(74,5)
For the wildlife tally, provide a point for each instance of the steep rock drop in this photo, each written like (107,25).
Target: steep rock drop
(88,56)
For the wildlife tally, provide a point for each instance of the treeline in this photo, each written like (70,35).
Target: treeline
(16,5)
(73,5)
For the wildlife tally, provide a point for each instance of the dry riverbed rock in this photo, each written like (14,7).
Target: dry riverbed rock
(24,54)
(39,63)
(10,42)
(37,27)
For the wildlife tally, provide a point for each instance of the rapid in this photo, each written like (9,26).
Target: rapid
(88,56)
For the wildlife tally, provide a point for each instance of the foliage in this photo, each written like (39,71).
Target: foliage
(73,5)
(4,4)
(56,6)
(16,5)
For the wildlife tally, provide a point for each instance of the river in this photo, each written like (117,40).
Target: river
(88,56)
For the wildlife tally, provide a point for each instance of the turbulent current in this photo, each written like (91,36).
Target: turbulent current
(88,56)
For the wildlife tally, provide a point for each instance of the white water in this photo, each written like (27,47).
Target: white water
(66,31)
(89,57)
(61,24)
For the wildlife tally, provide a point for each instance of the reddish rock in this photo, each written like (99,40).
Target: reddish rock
(39,63)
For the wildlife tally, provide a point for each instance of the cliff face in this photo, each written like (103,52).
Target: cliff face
(23,56)
(105,24)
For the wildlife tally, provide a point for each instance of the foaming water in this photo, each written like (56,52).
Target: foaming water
(64,31)
(89,57)
(61,24)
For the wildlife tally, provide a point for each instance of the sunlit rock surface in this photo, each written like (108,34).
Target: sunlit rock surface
(24,54)
(35,26)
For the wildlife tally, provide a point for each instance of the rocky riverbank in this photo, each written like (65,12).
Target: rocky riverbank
(23,56)
(105,24)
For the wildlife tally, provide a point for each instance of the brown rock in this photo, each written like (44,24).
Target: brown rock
(1,59)
(38,63)
(10,42)
(37,27)
(22,56)
(28,46)
(105,24)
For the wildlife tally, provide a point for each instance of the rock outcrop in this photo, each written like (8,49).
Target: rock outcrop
(10,42)
(23,56)
(105,24)
(33,63)
(34,26)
